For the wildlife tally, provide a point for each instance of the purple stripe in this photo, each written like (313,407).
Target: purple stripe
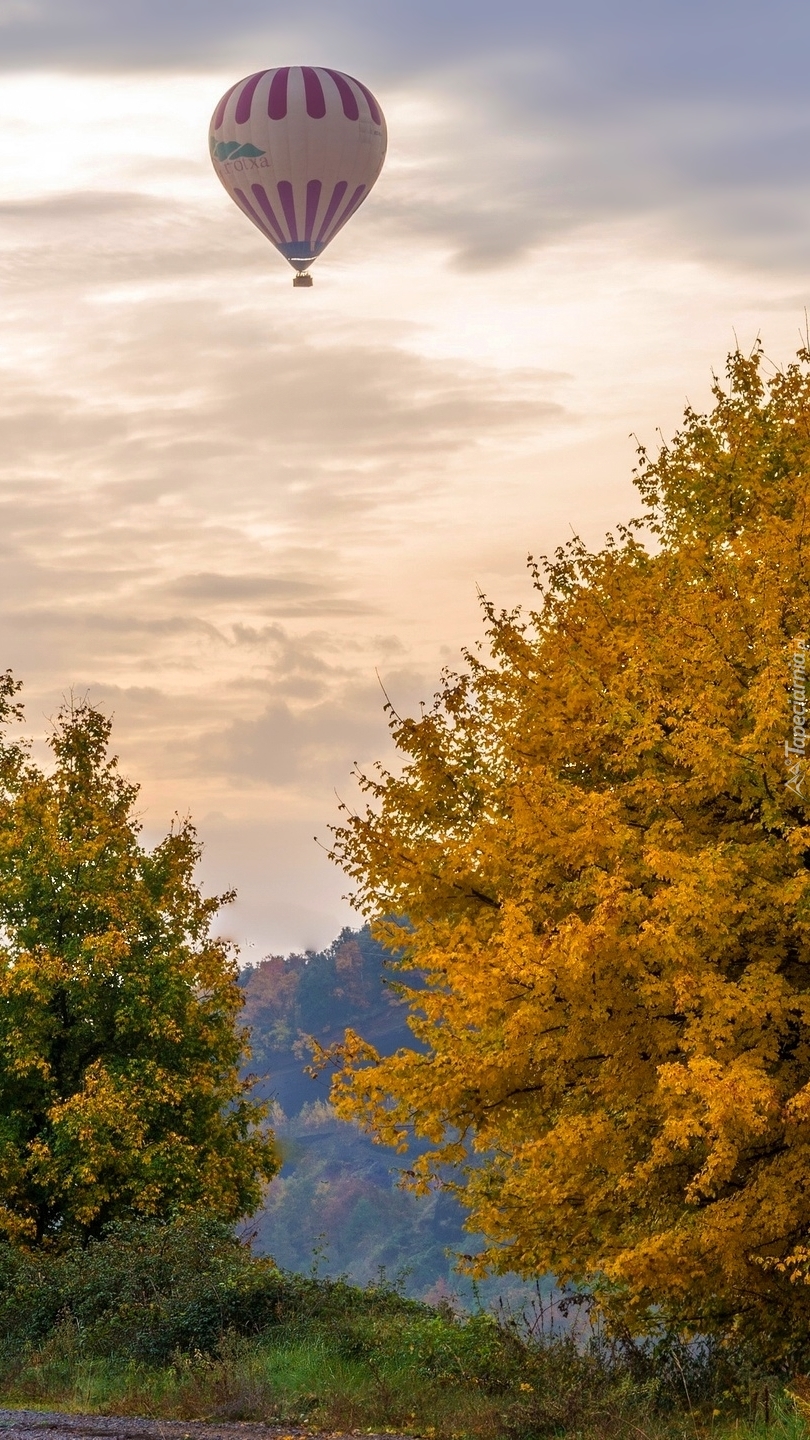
(244,204)
(337,195)
(264,200)
(220,111)
(350,107)
(313,90)
(285,195)
(277,99)
(314,188)
(349,211)
(376,112)
(245,100)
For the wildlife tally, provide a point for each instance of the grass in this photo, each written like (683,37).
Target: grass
(413,1383)
(183,1324)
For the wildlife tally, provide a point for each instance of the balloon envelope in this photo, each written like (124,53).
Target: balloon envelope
(298,149)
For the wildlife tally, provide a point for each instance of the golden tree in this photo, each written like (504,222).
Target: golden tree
(120,1092)
(600,850)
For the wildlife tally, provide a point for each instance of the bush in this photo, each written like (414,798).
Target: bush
(146,1290)
(180,1320)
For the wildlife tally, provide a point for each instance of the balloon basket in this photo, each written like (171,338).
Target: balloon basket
(300,281)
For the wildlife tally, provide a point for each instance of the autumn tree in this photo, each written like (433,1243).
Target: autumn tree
(600,847)
(119,1043)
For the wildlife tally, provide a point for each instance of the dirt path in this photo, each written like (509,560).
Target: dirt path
(37,1425)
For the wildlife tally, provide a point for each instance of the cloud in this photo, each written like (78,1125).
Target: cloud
(734,41)
(317,727)
(281,594)
(567,117)
(204,495)
(223,503)
(140,393)
(285,746)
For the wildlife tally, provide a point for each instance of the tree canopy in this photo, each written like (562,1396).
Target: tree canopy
(599,847)
(120,1050)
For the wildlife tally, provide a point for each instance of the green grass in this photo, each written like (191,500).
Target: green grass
(421,1381)
(182,1323)
(784,1424)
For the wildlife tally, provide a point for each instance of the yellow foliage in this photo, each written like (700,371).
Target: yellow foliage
(599,849)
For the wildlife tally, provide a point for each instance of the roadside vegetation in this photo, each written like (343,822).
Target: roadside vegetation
(596,1039)
(181,1321)
(595,850)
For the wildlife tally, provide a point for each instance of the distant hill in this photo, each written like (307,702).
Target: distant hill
(287,998)
(336,1202)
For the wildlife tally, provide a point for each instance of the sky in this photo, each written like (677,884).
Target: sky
(230,511)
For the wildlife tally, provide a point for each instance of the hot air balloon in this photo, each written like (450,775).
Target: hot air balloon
(298,149)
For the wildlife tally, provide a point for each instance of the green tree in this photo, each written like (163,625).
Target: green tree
(601,842)
(119,1043)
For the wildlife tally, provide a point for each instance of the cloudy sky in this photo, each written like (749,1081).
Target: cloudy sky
(227,505)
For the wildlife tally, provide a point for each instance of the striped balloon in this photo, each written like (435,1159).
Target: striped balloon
(298,149)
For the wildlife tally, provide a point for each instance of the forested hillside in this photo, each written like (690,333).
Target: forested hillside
(288,998)
(336,1202)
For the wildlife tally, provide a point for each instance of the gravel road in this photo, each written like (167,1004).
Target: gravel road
(37,1425)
